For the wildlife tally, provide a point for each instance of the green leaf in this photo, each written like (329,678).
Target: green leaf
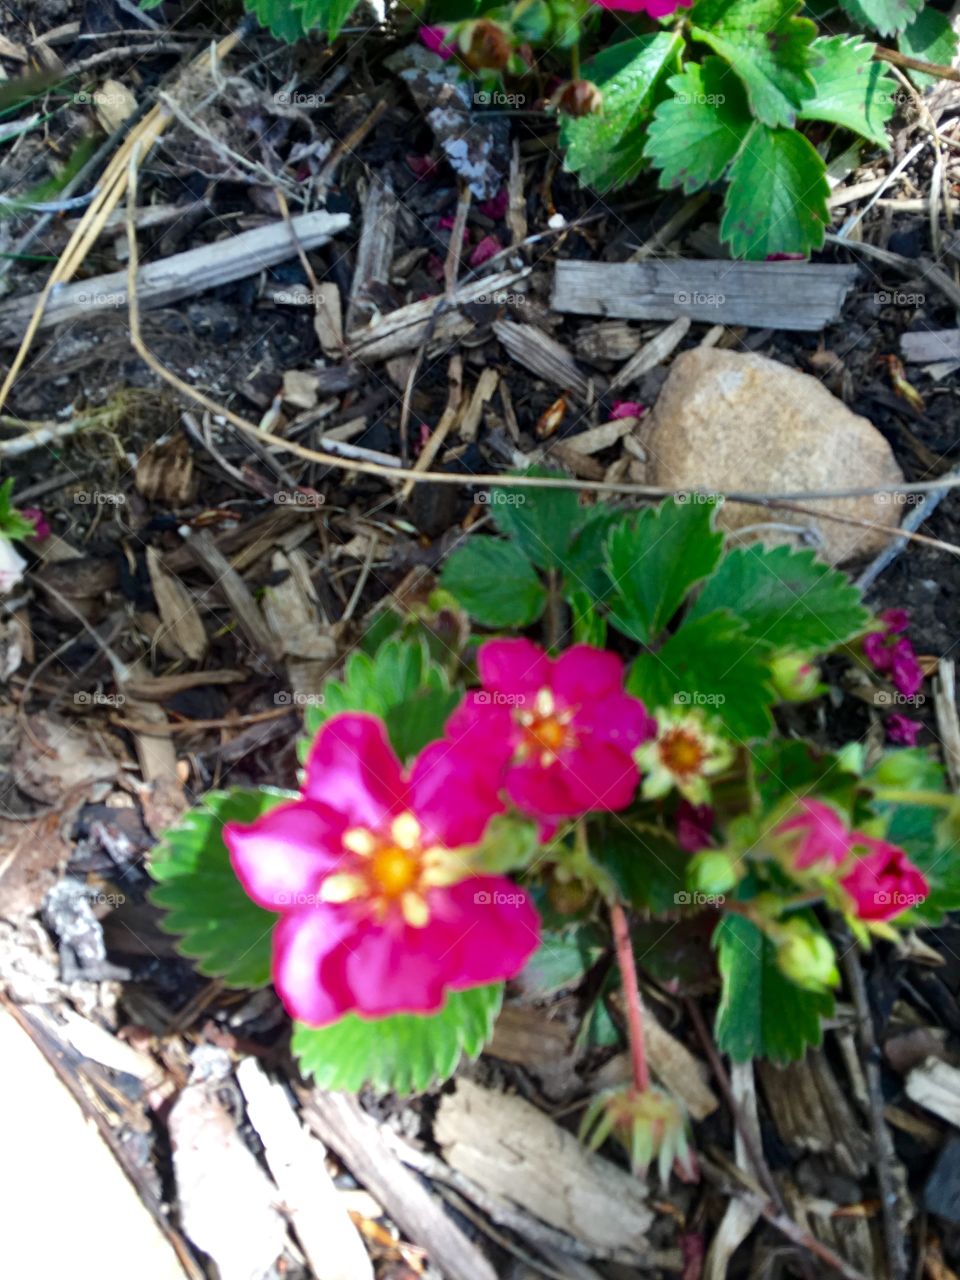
(585,569)
(328,16)
(851,89)
(588,625)
(762,1014)
(12,523)
(606,150)
(694,135)
(776,200)
(768,47)
(929,836)
(561,960)
(712,663)
(787,599)
(405,1053)
(220,927)
(495,583)
(400,684)
(792,767)
(278,16)
(930,38)
(509,843)
(885,16)
(644,861)
(654,559)
(542,522)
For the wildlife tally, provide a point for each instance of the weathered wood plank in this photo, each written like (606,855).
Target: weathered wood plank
(779,295)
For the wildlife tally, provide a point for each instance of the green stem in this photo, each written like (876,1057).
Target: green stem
(575,61)
(631,995)
(902,795)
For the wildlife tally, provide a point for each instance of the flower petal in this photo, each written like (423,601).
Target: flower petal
(513,666)
(304,943)
(496,925)
(616,719)
(601,776)
(353,769)
(282,858)
(583,673)
(454,792)
(395,968)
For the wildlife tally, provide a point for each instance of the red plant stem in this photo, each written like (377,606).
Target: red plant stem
(631,993)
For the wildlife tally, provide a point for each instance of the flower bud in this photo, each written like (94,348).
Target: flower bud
(795,677)
(485,45)
(649,1124)
(578,98)
(805,955)
(712,872)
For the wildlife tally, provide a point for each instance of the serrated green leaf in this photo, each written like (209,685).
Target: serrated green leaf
(762,1014)
(219,926)
(851,89)
(717,666)
(542,522)
(791,767)
(495,583)
(561,960)
(931,38)
(776,200)
(400,675)
(931,839)
(654,559)
(695,134)
(786,599)
(885,16)
(589,627)
(328,16)
(584,566)
(405,1053)
(644,861)
(278,16)
(606,150)
(768,47)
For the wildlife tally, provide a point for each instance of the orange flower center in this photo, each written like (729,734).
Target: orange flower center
(681,752)
(546,731)
(395,870)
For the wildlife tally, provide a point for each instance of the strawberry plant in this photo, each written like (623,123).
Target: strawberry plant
(581,737)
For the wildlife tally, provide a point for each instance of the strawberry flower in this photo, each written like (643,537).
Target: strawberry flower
(685,754)
(891,652)
(369,869)
(883,882)
(654,8)
(815,836)
(557,733)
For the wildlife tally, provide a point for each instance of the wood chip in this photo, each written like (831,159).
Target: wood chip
(936,1086)
(812,1113)
(356,1138)
(165,473)
(296,1161)
(608,340)
(780,295)
(374,252)
(487,384)
(182,622)
(948,720)
(328,320)
(236,592)
(651,354)
(182,275)
(596,439)
(516,1152)
(930,345)
(542,355)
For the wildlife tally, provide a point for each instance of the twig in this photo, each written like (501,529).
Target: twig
(884,1153)
(921,512)
(916,64)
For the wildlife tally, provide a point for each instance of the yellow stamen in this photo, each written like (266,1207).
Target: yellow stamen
(359,841)
(394,870)
(415,910)
(405,830)
(342,888)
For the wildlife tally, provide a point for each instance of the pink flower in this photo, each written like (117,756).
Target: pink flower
(41,525)
(627,409)
(558,733)
(892,653)
(435,39)
(905,671)
(694,826)
(883,882)
(496,208)
(655,8)
(816,836)
(902,730)
(895,621)
(484,250)
(380,910)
